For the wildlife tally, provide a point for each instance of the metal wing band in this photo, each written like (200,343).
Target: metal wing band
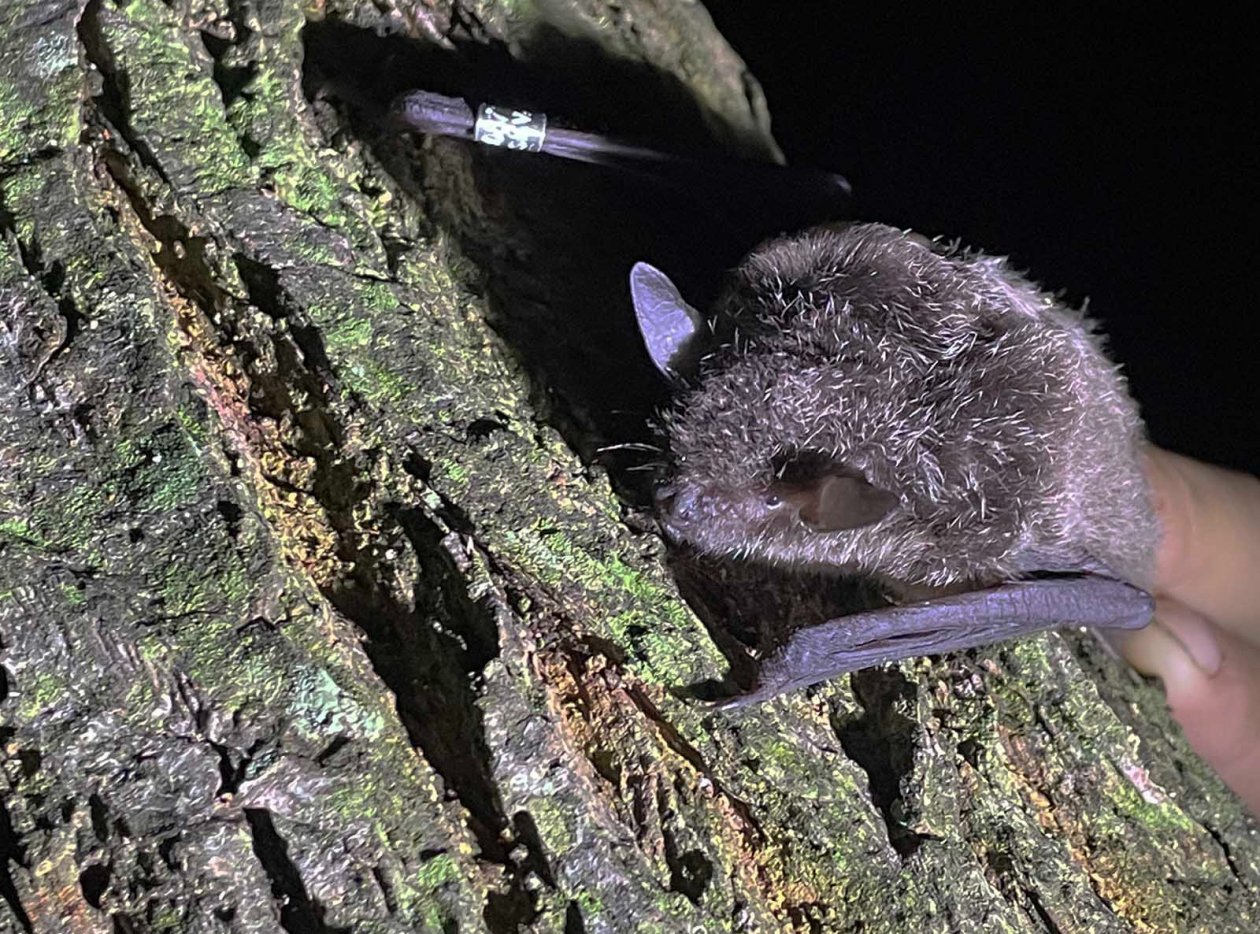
(511,129)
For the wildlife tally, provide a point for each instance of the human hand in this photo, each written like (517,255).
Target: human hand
(1204,643)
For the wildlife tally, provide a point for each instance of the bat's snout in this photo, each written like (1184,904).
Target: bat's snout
(677,508)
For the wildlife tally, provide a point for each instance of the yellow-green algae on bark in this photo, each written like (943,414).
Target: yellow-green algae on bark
(191,668)
(308,619)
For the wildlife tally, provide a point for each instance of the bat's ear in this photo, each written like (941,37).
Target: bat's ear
(673,331)
(835,502)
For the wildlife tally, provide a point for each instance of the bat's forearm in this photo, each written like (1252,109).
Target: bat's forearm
(947,624)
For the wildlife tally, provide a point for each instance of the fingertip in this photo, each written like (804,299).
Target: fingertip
(1176,637)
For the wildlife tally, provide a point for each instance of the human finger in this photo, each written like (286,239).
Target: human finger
(1212,681)
(1209,559)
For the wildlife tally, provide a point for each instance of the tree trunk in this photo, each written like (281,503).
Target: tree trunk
(317,609)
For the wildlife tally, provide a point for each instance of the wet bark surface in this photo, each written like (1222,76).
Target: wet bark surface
(318,609)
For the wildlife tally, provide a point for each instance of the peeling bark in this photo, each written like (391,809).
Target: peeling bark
(317,609)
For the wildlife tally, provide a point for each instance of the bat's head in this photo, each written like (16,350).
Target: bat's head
(785,431)
(862,398)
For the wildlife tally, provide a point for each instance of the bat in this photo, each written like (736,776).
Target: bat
(865,401)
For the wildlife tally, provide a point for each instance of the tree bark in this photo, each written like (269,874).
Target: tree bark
(318,611)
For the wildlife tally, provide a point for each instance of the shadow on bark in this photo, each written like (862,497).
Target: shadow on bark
(552,240)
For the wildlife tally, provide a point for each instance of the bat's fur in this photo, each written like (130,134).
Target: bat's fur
(941,376)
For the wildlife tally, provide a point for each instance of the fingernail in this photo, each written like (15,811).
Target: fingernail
(1193,633)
